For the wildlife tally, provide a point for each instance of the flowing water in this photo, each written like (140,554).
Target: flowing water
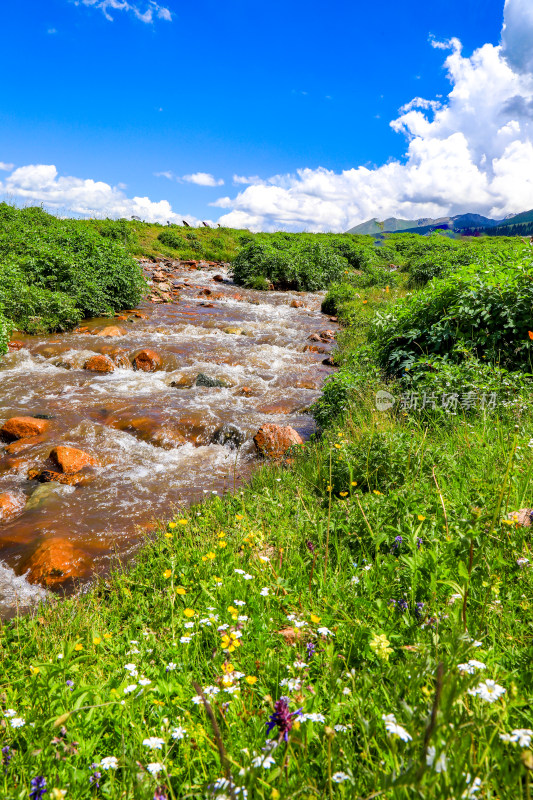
(163,440)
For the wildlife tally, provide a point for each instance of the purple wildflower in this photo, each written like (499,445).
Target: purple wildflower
(396,544)
(402,605)
(282,718)
(419,610)
(95,777)
(159,793)
(310,546)
(38,787)
(311,647)
(392,602)
(418,543)
(70,684)
(6,756)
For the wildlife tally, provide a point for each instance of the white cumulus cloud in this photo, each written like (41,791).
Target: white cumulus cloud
(146,12)
(6,167)
(470,151)
(41,183)
(203,179)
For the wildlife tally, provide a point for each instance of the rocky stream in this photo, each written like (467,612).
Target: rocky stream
(121,421)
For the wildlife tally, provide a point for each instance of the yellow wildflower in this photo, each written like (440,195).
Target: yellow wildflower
(376,491)
(421,518)
(227,668)
(232,610)
(354,483)
(381,646)
(251,679)
(181,590)
(239,516)
(189,612)
(167,573)
(96,640)
(329,488)
(168,535)
(183,522)
(107,635)
(211,555)
(343,494)
(78,647)
(216,579)
(314,618)
(221,534)
(34,670)
(222,544)
(172,525)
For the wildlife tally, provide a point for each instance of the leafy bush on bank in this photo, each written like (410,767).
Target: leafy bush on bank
(54,272)
(484,312)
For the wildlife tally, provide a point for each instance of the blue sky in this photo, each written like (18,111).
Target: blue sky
(225,89)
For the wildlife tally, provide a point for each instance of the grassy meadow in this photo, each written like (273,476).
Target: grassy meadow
(355,624)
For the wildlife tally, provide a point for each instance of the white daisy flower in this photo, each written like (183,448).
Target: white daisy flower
(394,729)
(155,768)
(154,742)
(130,688)
(178,733)
(17,722)
(340,777)
(109,762)
(264,591)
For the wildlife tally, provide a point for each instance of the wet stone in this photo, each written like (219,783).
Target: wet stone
(22,428)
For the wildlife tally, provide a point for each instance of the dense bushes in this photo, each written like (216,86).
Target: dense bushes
(54,272)
(485,312)
(289,264)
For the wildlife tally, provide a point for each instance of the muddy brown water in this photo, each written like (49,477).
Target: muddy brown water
(163,440)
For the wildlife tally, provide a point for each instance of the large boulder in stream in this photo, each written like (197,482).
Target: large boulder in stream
(53,562)
(99,363)
(273,441)
(23,428)
(70,459)
(147,360)
(110,330)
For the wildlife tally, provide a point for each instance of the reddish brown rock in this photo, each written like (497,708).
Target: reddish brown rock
(99,363)
(218,278)
(15,345)
(118,356)
(314,337)
(327,336)
(70,459)
(205,292)
(237,296)
(23,427)
(53,562)
(246,391)
(49,475)
(21,445)
(291,635)
(110,330)
(11,505)
(273,441)
(147,360)
(313,348)
(297,304)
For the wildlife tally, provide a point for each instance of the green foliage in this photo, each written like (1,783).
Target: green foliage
(54,272)
(338,294)
(289,264)
(5,333)
(483,311)
(171,238)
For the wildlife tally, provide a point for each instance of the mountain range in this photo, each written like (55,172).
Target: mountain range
(465,224)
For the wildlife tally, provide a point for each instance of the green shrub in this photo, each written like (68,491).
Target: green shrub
(171,238)
(338,294)
(54,272)
(486,312)
(289,264)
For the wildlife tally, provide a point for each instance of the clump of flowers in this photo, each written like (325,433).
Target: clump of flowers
(381,646)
